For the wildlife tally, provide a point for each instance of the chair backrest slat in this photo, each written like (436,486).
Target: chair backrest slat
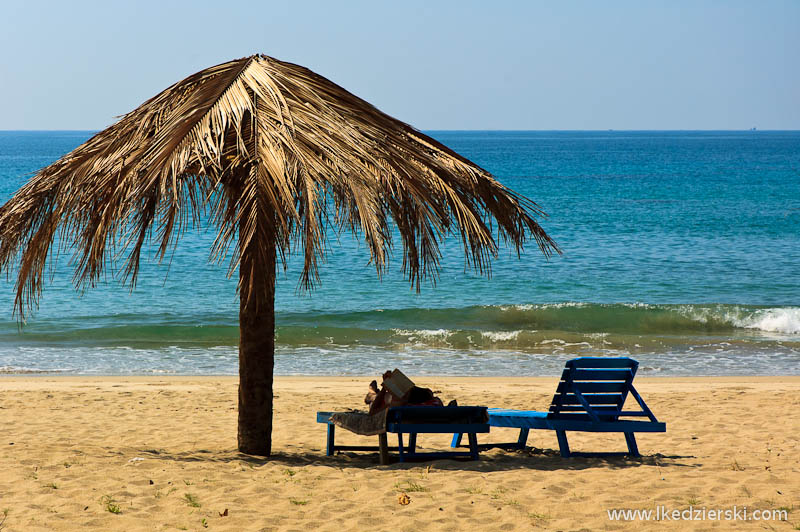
(596,387)
(603,384)
(579,408)
(603,362)
(597,374)
(592,398)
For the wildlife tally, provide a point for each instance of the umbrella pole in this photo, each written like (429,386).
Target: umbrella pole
(256,351)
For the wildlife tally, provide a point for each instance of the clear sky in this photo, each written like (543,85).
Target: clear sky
(435,64)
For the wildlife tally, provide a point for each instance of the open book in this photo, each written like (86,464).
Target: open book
(398,384)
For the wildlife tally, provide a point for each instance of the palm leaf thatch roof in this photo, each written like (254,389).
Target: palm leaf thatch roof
(273,153)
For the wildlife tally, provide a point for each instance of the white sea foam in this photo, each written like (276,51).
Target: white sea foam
(784,320)
(541,306)
(426,334)
(500,336)
(775,358)
(506,308)
(779,320)
(11,370)
(552,341)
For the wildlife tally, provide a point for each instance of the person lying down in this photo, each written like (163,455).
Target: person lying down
(398,390)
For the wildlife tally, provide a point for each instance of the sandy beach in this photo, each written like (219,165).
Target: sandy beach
(154,453)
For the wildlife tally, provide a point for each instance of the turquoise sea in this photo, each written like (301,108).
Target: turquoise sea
(681,249)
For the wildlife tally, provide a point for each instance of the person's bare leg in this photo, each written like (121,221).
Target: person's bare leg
(372,394)
(379,403)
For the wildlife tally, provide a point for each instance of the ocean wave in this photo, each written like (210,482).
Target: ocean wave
(527,328)
(785,320)
(780,320)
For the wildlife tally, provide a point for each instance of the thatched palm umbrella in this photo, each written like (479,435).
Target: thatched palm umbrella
(277,155)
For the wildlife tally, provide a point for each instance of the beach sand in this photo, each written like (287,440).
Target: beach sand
(162,452)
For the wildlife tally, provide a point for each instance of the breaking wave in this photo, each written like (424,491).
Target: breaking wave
(520,327)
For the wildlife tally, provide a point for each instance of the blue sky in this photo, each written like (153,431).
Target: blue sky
(437,65)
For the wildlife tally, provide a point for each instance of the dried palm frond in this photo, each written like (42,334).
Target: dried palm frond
(277,155)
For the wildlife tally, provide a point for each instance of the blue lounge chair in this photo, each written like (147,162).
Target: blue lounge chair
(413,420)
(589,398)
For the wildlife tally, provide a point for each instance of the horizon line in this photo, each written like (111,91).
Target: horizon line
(458,130)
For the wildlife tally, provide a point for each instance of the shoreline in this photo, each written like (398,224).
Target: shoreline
(487,378)
(360,378)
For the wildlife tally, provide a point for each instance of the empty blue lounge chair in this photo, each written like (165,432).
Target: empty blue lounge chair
(589,398)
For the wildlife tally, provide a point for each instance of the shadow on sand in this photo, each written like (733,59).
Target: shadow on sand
(530,458)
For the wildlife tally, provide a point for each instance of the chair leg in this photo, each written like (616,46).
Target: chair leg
(400,445)
(473,445)
(563,444)
(633,449)
(412,442)
(331,436)
(456,440)
(383,445)
(523,438)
